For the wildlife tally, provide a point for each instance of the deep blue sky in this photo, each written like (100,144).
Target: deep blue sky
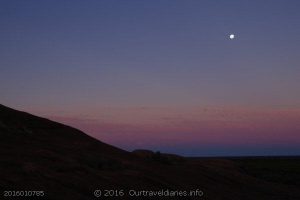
(71,57)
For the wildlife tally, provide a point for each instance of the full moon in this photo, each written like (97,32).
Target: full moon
(231,36)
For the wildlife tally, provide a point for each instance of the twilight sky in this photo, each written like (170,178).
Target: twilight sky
(160,75)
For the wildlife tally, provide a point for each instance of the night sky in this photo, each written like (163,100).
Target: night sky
(160,75)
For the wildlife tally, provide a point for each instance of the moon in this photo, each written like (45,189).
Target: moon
(231,36)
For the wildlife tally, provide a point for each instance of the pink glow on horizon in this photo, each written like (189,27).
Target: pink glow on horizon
(142,127)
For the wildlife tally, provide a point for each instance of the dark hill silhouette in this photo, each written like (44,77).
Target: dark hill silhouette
(39,154)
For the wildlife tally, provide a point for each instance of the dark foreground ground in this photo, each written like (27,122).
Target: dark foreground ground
(40,155)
